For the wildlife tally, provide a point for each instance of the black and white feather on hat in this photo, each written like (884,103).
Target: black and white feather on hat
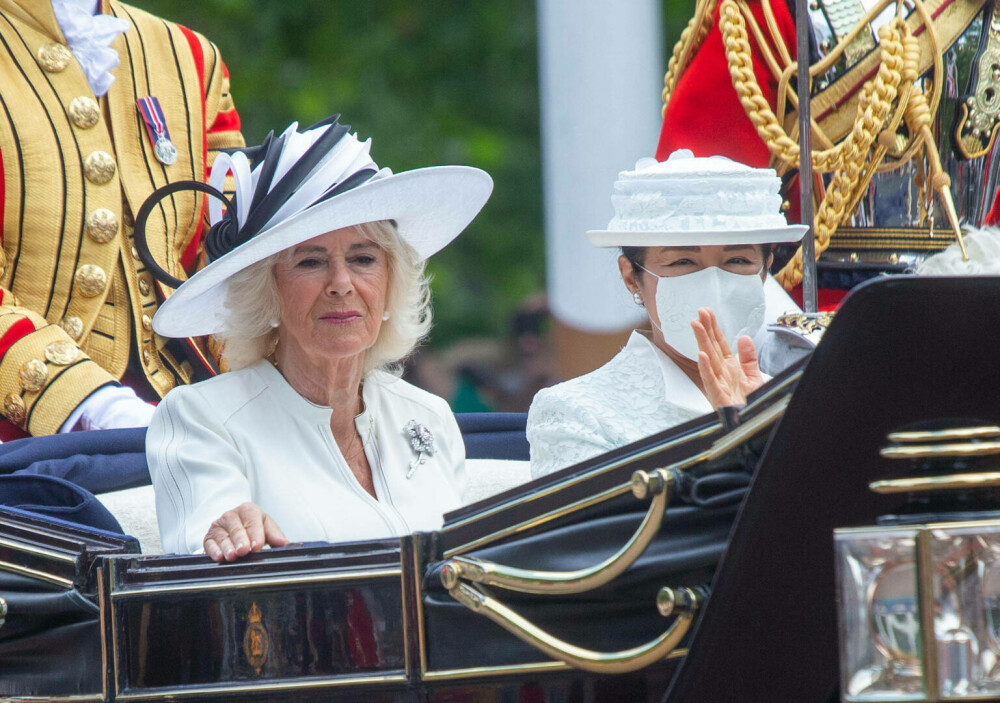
(297,186)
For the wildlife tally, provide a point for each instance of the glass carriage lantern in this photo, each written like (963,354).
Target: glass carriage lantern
(919,604)
(919,612)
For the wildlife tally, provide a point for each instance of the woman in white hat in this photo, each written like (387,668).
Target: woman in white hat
(316,291)
(695,236)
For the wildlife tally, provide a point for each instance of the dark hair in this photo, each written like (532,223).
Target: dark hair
(637,256)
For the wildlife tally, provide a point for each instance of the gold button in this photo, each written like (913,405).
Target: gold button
(135,253)
(32,374)
(13,408)
(144,286)
(73,326)
(101,225)
(147,322)
(145,356)
(84,112)
(62,353)
(90,280)
(54,57)
(99,167)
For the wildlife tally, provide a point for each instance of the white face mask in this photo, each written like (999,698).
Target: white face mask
(736,299)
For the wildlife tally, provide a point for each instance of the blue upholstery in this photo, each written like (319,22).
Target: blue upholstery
(111,460)
(100,461)
(52,497)
(494,435)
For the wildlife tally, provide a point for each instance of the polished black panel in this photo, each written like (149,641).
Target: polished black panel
(645,686)
(330,614)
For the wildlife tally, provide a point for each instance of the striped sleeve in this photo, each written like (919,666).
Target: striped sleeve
(44,375)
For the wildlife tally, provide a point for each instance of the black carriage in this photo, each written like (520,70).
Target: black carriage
(698,564)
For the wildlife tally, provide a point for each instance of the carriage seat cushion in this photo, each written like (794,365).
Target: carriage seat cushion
(99,461)
(494,435)
(56,498)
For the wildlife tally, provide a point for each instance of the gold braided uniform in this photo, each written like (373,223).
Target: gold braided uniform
(75,298)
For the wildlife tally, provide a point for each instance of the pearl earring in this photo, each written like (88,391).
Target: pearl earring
(637,297)
(274,323)
(385,316)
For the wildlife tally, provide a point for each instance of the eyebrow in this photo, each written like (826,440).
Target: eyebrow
(314,248)
(697,250)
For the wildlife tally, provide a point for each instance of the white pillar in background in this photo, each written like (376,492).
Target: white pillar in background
(600,74)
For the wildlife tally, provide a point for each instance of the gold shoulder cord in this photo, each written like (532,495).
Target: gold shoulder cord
(887,100)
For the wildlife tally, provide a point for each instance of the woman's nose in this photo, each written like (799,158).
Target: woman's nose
(340,281)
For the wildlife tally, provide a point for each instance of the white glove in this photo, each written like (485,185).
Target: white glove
(108,408)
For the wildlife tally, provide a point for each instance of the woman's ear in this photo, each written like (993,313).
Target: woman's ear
(628,274)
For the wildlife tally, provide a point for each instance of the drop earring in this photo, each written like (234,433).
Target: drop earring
(385,316)
(637,297)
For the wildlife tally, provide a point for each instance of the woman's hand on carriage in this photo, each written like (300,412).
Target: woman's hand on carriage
(240,531)
(727,378)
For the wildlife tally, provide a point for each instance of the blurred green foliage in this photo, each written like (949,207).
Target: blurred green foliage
(432,83)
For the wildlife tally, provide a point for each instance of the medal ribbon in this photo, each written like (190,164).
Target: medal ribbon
(152,115)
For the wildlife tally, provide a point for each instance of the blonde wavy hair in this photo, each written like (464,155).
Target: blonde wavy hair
(252,307)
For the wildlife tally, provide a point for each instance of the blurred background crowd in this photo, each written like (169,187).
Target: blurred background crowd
(432,83)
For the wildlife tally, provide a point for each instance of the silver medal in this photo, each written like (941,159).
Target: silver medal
(165,150)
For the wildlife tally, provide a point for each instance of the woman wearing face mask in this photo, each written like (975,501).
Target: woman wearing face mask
(695,236)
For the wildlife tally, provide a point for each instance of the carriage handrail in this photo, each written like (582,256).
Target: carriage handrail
(657,483)
(682,602)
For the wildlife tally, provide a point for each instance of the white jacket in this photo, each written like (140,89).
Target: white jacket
(249,436)
(638,393)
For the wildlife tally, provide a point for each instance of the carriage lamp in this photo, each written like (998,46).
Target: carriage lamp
(919,612)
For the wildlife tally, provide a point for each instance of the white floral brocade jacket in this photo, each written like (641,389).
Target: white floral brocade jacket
(638,393)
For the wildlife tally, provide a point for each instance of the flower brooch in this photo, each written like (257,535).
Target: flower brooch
(421,442)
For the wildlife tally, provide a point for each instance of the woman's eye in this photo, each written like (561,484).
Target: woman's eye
(740,260)
(682,262)
(309,263)
(365,259)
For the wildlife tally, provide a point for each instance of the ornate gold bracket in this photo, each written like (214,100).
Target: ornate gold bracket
(986,479)
(657,484)
(683,602)
(958,442)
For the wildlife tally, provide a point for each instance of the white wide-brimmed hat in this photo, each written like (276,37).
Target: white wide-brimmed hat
(302,185)
(689,201)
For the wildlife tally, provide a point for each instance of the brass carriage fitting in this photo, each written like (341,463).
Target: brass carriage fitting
(449,575)
(468,568)
(673,601)
(651,484)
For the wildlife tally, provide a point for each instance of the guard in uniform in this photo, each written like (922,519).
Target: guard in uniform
(82,144)
(898,161)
